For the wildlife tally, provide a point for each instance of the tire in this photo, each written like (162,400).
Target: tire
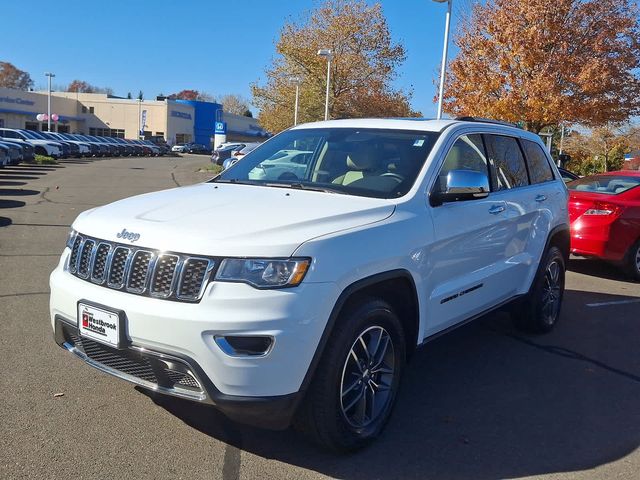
(331,413)
(632,261)
(539,311)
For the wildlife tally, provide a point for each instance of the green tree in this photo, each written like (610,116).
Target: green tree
(364,64)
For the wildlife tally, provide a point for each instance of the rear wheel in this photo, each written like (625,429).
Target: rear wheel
(354,388)
(632,262)
(539,311)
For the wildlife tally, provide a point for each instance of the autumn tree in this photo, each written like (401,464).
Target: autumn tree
(81,86)
(192,95)
(363,66)
(542,62)
(600,150)
(13,77)
(235,104)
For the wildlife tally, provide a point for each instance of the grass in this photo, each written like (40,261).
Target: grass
(44,160)
(211,168)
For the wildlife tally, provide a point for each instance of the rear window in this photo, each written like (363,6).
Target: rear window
(539,168)
(508,163)
(605,184)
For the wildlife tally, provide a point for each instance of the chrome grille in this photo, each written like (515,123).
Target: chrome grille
(171,276)
(100,263)
(118,266)
(193,273)
(139,271)
(85,258)
(164,275)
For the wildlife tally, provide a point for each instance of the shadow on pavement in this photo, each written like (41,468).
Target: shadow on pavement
(11,203)
(598,268)
(17,192)
(487,402)
(5,222)
(10,176)
(11,184)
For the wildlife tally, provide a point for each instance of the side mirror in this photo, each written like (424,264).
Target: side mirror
(461,185)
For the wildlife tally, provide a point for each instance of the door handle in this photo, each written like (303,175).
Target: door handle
(496,209)
(541,198)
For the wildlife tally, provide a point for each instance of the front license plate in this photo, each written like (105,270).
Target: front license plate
(99,324)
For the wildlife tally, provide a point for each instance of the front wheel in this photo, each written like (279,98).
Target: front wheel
(539,311)
(355,386)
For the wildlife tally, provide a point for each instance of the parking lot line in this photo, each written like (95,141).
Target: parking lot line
(619,302)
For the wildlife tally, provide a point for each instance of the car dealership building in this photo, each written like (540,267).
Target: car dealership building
(178,121)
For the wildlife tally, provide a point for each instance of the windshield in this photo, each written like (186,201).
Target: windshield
(30,134)
(605,184)
(364,162)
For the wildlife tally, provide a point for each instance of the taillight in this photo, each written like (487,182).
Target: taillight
(604,209)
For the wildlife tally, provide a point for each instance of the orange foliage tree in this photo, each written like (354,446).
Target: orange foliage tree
(364,64)
(542,62)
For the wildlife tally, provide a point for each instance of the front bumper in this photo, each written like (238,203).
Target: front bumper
(238,386)
(175,375)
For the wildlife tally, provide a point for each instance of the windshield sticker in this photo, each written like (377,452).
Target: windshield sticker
(419,142)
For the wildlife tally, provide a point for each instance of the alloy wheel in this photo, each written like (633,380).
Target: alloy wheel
(367,377)
(551,293)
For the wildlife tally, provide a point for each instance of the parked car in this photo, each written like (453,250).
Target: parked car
(67,150)
(41,147)
(286,163)
(567,176)
(241,152)
(95,149)
(25,150)
(605,218)
(84,150)
(179,147)
(4,156)
(308,292)
(224,151)
(198,148)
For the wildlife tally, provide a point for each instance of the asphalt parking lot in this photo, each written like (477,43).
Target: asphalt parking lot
(484,402)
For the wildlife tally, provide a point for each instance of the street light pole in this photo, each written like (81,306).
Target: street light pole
(50,75)
(296,81)
(326,52)
(443,69)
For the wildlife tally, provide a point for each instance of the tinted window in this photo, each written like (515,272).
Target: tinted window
(539,168)
(467,153)
(509,169)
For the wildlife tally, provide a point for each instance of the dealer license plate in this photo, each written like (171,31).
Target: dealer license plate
(99,324)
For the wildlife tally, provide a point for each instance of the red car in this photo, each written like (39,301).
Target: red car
(604,210)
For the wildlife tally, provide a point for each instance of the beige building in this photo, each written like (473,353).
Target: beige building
(105,115)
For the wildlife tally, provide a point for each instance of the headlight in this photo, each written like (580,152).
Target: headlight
(71,238)
(263,273)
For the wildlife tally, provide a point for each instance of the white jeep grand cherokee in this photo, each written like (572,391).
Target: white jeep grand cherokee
(296,284)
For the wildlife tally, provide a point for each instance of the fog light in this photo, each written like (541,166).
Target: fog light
(244,346)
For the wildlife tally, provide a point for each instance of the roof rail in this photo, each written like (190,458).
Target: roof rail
(486,120)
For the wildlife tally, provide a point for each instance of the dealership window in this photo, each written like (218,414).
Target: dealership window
(84,109)
(32,126)
(159,134)
(183,138)
(147,134)
(90,109)
(117,133)
(63,128)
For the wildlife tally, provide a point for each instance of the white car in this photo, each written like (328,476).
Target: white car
(180,148)
(41,147)
(307,295)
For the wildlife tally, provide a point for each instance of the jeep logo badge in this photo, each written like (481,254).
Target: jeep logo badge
(132,237)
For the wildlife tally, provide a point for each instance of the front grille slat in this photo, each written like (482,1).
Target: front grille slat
(140,271)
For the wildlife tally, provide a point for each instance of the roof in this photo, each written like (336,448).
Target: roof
(423,124)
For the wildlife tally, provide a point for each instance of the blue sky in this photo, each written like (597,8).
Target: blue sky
(162,46)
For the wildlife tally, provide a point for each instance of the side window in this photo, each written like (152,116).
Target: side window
(507,161)
(539,167)
(467,153)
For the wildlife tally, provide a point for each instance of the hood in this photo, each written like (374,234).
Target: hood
(230,220)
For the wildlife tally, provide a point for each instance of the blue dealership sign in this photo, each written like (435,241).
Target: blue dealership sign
(186,116)
(220,128)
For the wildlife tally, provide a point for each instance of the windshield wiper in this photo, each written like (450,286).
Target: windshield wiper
(302,186)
